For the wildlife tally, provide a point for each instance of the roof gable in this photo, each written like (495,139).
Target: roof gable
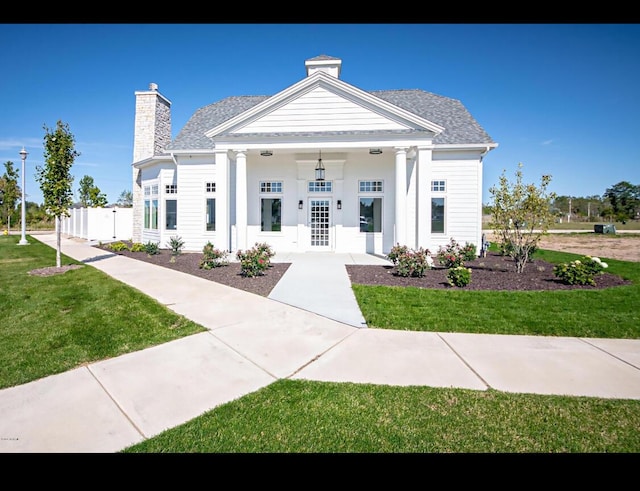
(306,99)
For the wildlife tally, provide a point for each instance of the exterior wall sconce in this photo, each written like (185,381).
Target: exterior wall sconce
(266,153)
(339,204)
(320,168)
(300,205)
(375,151)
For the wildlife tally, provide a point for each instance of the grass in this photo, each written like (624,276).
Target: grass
(52,324)
(291,416)
(606,313)
(56,323)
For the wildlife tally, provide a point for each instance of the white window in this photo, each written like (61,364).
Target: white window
(271,206)
(437,215)
(210,207)
(171,189)
(370,214)
(151,207)
(370,186)
(438,186)
(171,214)
(270,186)
(320,186)
(211,215)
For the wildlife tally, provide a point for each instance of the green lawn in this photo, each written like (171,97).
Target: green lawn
(56,323)
(606,313)
(52,324)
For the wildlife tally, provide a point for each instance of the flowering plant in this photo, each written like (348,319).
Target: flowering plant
(212,257)
(414,263)
(409,262)
(459,276)
(255,261)
(453,254)
(580,271)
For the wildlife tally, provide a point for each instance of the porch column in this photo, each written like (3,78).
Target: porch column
(241,199)
(222,201)
(401,196)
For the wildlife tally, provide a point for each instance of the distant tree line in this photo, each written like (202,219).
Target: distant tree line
(619,203)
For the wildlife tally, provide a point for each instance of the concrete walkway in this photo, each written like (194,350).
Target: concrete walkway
(252,341)
(318,282)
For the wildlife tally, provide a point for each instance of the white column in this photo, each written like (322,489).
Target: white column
(241,199)
(222,201)
(401,196)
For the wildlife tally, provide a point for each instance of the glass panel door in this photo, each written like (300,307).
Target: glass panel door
(320,222)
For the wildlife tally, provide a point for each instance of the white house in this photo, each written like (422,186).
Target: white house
(320,166)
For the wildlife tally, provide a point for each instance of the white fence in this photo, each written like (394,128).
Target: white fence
(103,224)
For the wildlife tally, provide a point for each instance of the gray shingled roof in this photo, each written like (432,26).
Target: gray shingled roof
(460,126)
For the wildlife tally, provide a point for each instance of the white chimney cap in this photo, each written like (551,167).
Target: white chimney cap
(153,86)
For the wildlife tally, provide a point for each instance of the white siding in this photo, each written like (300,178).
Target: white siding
(192,177)
(320,110)
(462,209)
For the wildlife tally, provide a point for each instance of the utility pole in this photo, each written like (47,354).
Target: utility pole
(588,210)
(569,215)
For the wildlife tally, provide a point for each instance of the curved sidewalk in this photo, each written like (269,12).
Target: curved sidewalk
(253,341)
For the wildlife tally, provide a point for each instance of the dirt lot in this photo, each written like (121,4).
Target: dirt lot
(601,245)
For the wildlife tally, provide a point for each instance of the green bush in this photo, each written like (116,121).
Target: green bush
(580,271)
(212,257)
(151,248)
(176,245)
(469,252)
(118,246)
(459,276)
(137,247)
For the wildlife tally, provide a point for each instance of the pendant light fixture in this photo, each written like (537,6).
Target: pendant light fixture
(320,168)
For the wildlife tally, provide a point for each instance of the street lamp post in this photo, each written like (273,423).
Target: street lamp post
(23,239)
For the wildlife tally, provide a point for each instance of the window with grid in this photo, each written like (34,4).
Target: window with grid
(270,186)
(370,186)
(171,189)
(438,186)
(320,186)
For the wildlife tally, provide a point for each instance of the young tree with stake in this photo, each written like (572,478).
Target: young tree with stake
(55,177)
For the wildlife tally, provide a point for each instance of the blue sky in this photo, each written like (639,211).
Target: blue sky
(562,99)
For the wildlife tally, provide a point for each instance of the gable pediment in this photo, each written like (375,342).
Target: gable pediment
(322,103)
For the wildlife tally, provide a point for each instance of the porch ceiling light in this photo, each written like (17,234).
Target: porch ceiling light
(375,151)
(320,168)
(266,153)
(300,205)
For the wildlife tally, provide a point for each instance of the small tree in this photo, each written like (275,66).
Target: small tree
(55,177)
(125,199)
(10,190)
(521,215)
(89,193)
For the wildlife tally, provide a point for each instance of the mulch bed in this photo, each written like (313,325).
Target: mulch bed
(493,272)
